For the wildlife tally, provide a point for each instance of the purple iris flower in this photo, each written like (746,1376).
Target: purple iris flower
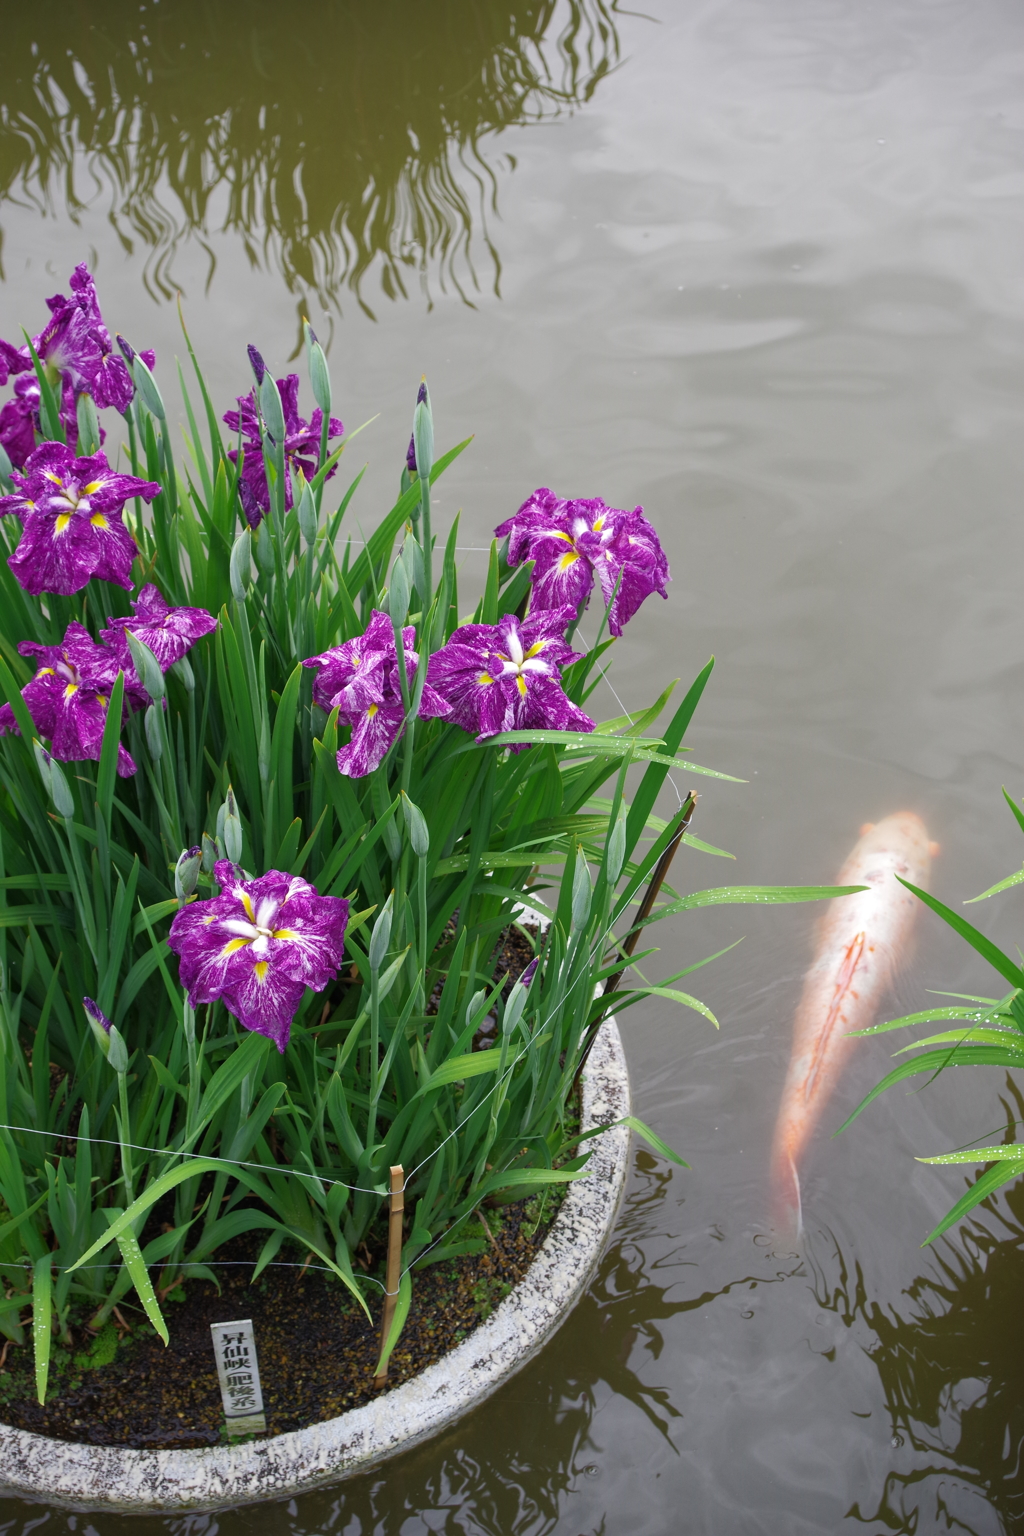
(571,542)
(361,680)
(19,420)
(168,632)
(71,509)
(68,697)
(75,349)
(13,360)
(258,945)
(507,676)
(301,446)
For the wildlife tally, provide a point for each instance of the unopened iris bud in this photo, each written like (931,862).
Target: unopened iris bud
(410,455)
(53,777)
(319,374)
(265,550)
(240,566)
(306,513)
(380,938)
(398,594)
(148,389)
(211,853)
(186,872)
(147,668)
(423,432)
(108,1037)
(616,852)
(257,364)
(416,826)
(154,735)
(182,668)
(127,350)
(272,410)
(88,426)
(582,892)
(232,839)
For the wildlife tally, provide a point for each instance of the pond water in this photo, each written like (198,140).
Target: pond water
(757,267)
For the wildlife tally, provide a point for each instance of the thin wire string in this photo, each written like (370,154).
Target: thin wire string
(230,1162)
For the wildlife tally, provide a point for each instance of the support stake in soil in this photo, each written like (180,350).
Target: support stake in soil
(394,1267)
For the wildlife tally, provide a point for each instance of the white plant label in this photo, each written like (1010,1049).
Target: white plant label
(239,1374)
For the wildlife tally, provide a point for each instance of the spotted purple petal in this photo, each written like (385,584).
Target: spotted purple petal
(258,945)
(507,676)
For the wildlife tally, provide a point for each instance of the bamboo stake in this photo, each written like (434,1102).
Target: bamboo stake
(653,890)
(394,1266)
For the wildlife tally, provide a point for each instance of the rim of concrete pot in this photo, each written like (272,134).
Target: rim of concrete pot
(116,1478)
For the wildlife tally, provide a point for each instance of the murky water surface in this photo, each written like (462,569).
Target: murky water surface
(756,266)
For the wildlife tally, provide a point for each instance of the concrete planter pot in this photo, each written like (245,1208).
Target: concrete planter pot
(107,1477)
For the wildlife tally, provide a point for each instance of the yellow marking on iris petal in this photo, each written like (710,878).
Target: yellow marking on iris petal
(597,526)
(485,677)
(285,933)
(260,970)
(102,698)
(535,650)
(49,475)
(567,560)
(233,946)
(567,537)
(98,520)
(521,685)
(371,711)
(211,919)
(247,904)
(45,672)
(62,522)
(93,485)
(70,690)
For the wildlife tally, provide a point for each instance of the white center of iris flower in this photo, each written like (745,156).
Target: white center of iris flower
(256,929)
(517,663)
(72,498)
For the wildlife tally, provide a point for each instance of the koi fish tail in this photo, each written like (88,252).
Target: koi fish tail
(787,1208)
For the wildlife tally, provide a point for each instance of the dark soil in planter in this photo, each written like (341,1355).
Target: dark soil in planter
(316,1351)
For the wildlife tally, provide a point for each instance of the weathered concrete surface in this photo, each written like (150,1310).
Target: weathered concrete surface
(106,1477)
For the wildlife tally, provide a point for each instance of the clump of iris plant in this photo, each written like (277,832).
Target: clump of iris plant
(314,788)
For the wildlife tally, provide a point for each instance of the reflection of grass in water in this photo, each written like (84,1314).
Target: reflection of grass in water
(334,139)
(951,1371)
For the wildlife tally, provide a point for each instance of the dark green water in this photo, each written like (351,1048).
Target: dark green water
(756,266)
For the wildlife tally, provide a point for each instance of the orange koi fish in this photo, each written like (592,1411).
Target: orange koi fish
(860,941)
